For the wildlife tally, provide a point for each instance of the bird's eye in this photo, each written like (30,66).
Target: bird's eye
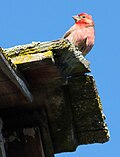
(83,16)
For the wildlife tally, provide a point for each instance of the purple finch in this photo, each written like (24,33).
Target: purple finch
(81,34)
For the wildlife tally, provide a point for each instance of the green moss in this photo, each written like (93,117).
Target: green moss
(31,57)
(48,54)
(99,102)
(22,58)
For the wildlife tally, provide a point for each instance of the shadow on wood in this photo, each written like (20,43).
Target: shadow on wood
(65,110)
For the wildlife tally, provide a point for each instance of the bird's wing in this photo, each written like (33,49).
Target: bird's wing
(82,45)
(69,32)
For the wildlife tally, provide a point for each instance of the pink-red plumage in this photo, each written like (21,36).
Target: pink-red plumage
(81,34)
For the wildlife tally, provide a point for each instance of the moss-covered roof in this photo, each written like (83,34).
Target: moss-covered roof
(52,80)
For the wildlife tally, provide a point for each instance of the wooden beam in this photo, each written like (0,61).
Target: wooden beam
(15,76)
(2,149)
(62,53)
(71,62)
(88,116)
(45,132)
(73,109)
(30,121)
(24,142)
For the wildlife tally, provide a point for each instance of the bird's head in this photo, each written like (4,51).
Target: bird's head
(83,19)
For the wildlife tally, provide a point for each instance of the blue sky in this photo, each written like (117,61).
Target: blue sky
(24,21)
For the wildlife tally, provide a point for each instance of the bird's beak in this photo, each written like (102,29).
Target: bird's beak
(76,18)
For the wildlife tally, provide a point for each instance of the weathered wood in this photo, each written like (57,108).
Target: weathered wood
(2,149)
(75,114)
(21,118)
(60,118)
(16,78)
(7,88)
(3,77)
(87,110)
(64,55)
(68,112)
(71,61)
(13,100)
(24,142)
(36,47)
(45,132)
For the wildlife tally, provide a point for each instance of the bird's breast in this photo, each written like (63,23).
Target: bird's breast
(83,38)
(87,35)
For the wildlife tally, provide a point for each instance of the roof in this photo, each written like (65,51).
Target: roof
(49,82)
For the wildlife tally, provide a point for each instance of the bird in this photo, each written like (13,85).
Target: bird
(82,33)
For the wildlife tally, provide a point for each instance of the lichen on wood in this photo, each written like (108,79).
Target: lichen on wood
(77,116)
(66,107)
(61,52)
